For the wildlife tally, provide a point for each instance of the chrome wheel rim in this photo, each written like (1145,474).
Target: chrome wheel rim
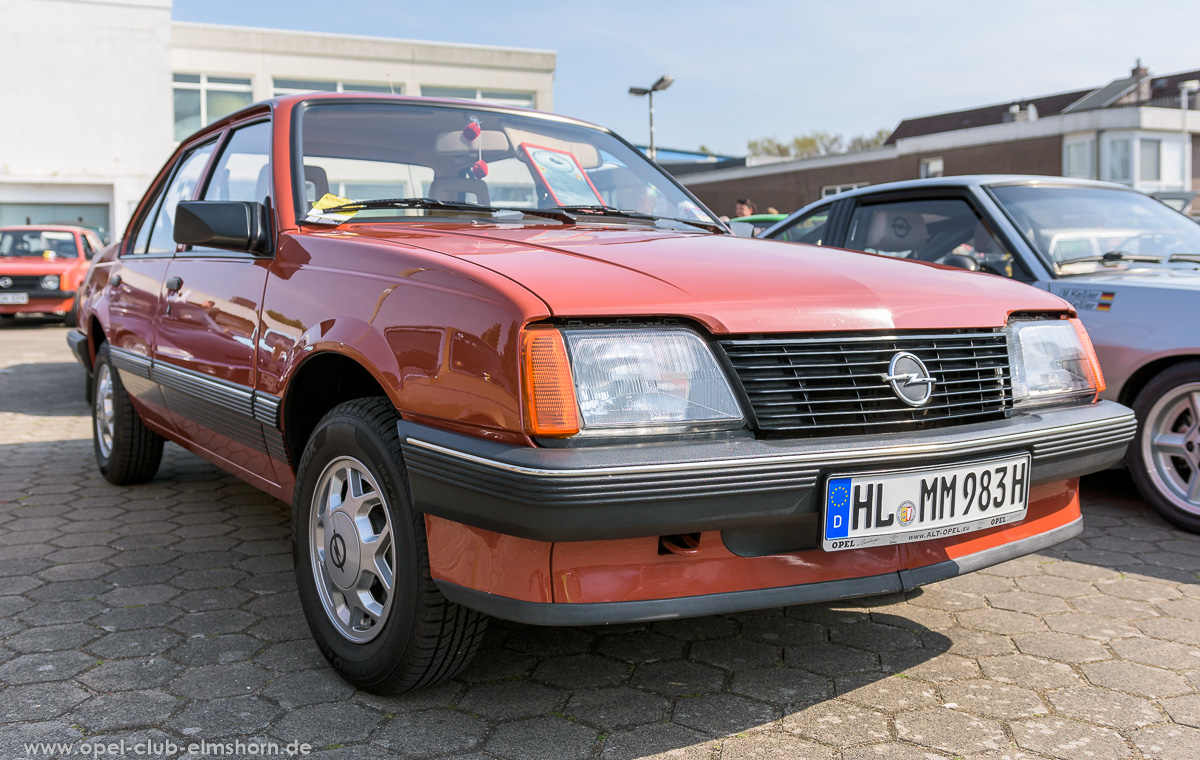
(102,410)
(352,549)
(1171,446)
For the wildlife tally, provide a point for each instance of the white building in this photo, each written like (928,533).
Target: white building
(97,93)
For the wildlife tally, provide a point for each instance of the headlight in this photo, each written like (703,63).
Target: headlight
(1052,362)
(50,282)
(643,381)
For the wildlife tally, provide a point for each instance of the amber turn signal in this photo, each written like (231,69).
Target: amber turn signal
(1088,349)
(546,379)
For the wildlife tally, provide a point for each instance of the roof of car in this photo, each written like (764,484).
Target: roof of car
(48,227)
(974,180)
(287,100)
(958,180)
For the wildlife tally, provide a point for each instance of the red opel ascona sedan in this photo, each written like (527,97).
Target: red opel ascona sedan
(41,266)
(501,364)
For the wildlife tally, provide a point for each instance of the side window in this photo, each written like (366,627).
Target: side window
(88,251)
(810,228)
(160,223)
(943,231)
(244,170)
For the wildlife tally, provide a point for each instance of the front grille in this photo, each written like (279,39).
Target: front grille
(835,385)
(22,282)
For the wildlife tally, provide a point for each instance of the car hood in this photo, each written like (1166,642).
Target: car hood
(733,285)
(29,265)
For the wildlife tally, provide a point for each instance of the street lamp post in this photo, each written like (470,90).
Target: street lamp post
(665,81)
(1185,88)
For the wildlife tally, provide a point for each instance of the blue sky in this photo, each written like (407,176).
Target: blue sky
(753,69)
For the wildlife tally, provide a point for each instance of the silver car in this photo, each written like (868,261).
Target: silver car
(1129,264)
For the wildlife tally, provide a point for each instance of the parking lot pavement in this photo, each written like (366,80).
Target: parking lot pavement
(167,614)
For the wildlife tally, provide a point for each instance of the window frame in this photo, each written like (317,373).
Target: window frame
(206,177)
(1022,272)
(204,86)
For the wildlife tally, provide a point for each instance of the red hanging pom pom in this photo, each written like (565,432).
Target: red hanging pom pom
(470,132)
(479,169)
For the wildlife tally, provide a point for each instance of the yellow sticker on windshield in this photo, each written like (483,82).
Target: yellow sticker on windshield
(327,201)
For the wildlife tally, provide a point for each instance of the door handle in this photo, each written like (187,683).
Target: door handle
(174,284)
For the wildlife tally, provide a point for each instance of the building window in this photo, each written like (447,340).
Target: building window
(931,167)
(296,86)
(1119,161)
(1149,160)
(829,190)
(201,99)
(498,97)
(1077,159)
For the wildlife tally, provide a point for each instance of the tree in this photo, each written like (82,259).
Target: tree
(864,142)
(815,143)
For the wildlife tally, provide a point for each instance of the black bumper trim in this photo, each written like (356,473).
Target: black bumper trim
(601,613)
(629,491)
(79,347)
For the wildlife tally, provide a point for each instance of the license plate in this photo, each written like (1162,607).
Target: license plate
(11,298)
(898,507)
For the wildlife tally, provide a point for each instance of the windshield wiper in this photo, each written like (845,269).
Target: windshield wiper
(1115,256)
(433,203)
(406,203)
(1191,258)
(628,214)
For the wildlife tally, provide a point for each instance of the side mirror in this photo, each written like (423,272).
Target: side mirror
(232,225)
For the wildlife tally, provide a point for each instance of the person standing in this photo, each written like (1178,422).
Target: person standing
(744,207)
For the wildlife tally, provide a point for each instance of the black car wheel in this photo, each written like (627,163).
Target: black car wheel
(1165,457)
(126,450)
(362,564)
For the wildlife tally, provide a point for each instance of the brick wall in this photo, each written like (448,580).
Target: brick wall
(788,191)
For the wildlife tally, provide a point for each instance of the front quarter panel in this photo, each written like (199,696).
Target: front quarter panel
(439,335)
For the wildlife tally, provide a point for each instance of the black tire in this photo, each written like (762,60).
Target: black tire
(414,637)
(1164,458)
(71,318)
(127,452)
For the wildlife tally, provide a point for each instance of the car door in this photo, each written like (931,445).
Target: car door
(208,325)
(132,285)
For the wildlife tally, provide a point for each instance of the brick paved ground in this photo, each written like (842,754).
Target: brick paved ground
(167,612)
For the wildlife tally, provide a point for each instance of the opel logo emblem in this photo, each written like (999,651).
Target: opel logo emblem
(5,282)
(337,548)
(910,380)
(901,227)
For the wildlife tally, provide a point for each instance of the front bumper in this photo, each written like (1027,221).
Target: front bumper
(40,301)
(634,490)
(645,610)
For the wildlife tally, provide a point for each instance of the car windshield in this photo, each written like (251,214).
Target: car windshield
(35,243)
(423,161)
(1082,229)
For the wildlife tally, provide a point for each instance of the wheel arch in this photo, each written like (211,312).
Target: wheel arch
(1147,372)
(321,381)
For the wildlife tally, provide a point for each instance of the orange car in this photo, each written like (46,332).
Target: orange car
(41,267)
(490,389)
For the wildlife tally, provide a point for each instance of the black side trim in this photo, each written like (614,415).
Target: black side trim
(227,396)
(248,417)
(736,601)
(127,361)
(266,408)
